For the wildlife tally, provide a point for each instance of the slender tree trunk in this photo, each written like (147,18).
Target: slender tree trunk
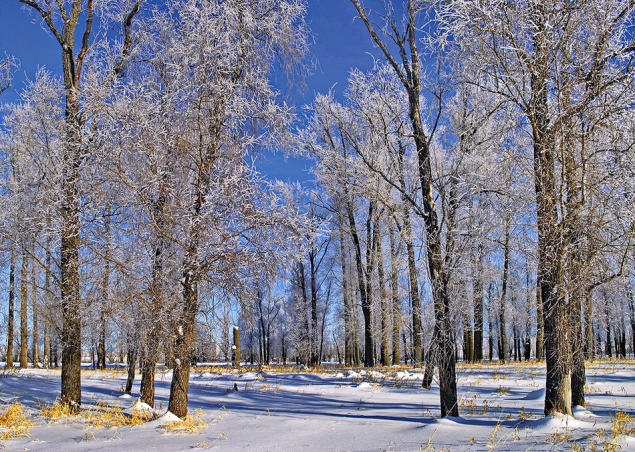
(24,303)
(415,299)
(314,323)
(132,364)
(468,341)
(348,355)
(47,300)
(369,359)
(477,289)
(11,327)
(609,345)
(578,377)
(383,297)
(506,261)
(35,312)
(394,285)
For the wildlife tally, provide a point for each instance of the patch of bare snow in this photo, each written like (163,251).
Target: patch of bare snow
(140,406)
(583,414)
(555,422)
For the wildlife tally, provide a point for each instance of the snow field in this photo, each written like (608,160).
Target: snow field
(340,410)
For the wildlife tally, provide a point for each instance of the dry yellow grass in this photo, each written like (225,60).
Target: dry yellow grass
(105,416)
(191,424)
(14,422)
(57,411)
(102,416)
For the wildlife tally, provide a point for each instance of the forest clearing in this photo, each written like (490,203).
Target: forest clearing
(334,409)
(466,195)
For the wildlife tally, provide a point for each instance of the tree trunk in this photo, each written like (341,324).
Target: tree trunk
(313,336)
(540,326)
(362,277)
(348,354)
(24,303)
(237,359)
(383,297)
(11,315)
(35,312)
(477,289)
(550,246)
(132,364)
(506,261)
(394,285)
(185,337)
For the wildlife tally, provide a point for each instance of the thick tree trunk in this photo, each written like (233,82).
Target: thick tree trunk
(185,338)
(540,326)
(237,359)
(550,247)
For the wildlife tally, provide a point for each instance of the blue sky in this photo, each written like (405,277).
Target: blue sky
(340,43)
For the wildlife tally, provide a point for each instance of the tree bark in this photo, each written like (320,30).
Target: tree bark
(35,313)
(11,315)
(24,303)
(540,326)
(477,289)
(506,262)
(394,285)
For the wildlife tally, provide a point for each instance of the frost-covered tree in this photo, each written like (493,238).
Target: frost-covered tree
(564,69)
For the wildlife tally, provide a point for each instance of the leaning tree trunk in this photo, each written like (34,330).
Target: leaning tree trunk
(407,68)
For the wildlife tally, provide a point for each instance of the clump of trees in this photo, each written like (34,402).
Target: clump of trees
(471,196)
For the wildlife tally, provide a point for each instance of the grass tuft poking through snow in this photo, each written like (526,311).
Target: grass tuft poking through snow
(14,422)
(191,424)
(100,416)
(56,411)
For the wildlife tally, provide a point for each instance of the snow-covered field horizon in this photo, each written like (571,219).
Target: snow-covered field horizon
(334,409)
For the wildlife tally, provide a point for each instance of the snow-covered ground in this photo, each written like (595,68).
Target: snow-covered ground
(339,410)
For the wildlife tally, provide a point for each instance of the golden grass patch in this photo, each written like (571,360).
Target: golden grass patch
(101,416)
(58,410)
(191,424)
(14,422)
